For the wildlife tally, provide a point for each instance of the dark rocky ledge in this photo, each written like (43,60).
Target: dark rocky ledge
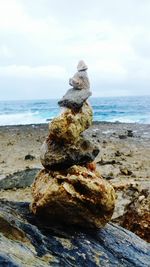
(26,240)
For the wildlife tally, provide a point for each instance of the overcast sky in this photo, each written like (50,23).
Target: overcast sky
(41,42)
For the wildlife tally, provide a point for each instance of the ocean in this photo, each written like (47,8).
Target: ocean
(110,109)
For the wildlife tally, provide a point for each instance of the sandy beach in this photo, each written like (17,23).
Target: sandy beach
(124,157)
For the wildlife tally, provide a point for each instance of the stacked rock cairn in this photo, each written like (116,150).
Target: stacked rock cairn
(69,189)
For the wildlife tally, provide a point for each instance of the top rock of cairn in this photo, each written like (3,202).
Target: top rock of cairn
(69,189)
(76,96)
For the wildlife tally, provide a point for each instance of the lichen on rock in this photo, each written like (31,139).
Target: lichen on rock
(69,125)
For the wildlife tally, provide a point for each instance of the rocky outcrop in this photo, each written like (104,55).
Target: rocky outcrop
(29,240)
(70,190)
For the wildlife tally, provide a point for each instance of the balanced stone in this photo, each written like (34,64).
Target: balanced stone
(74,196)
(76,96)
(56,156)
(80,79)
(69,125)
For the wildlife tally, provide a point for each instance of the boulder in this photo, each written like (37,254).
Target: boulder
(60,156)
(32,241)
(137,215)
(74,98)
(69,125)
(76,196)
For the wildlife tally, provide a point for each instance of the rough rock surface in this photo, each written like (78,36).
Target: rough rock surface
(30,241)
(69,125)
(74,98)
(20,179)
(58,156)
(137,216)
(74,196)
(80,79)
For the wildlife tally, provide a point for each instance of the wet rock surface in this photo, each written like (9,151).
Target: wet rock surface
(29,240)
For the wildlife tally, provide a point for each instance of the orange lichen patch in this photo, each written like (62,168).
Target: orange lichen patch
(91,166)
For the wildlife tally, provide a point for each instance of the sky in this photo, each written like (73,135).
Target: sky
(41,42)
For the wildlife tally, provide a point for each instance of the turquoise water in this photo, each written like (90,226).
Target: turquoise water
(122,109)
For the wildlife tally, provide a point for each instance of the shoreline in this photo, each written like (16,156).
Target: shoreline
(94,122)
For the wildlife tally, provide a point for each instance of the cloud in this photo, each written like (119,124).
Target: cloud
(50,71)
(43,41)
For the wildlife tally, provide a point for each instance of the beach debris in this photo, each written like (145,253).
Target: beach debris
(76,96)
(69,189)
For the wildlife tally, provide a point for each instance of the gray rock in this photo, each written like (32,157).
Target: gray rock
(20,179)
(80,79)
(81,66)
(58,156)
(27,240)
(29,157)
(74,98)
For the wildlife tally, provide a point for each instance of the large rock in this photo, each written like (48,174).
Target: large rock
(29,241)
(69,125)
(137,216)
(60,156)
(74,98)
(75,196)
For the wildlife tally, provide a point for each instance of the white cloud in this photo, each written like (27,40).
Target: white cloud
(5,52)
(27,71)
(45,39)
